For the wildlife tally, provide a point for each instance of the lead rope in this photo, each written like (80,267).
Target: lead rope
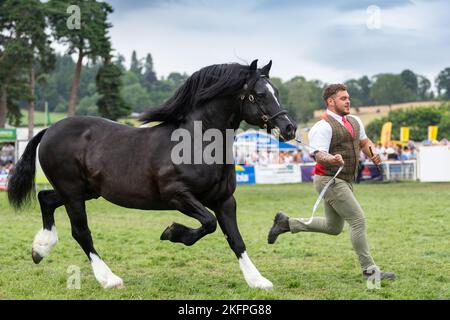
(322,193)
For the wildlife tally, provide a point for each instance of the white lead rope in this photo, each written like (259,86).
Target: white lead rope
(322,193)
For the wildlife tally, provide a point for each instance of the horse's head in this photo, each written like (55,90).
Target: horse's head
(260,103)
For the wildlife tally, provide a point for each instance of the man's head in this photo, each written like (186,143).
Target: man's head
(337,99)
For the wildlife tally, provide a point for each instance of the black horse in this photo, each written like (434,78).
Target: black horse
(87,157)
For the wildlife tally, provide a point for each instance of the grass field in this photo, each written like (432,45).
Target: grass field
(408,231)
(40,119)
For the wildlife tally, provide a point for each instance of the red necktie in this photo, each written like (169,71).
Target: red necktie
(348,126)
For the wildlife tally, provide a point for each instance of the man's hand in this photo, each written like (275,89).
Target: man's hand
(327,159)
(376,159)
(337,160)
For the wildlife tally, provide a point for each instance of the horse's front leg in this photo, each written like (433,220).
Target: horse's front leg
(226,216)
(189,205)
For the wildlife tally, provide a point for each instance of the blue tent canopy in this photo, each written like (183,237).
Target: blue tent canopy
(263,141)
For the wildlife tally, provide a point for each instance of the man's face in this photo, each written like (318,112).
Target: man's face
(340,102)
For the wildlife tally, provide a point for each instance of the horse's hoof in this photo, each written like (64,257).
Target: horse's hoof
(260,283)
(36,256)
(113,282)
(167,234)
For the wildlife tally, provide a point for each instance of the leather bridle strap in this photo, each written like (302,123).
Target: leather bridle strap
(264,117)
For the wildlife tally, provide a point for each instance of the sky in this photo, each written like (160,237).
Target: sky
(331,41)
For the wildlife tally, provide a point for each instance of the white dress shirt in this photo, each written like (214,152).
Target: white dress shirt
(321,133)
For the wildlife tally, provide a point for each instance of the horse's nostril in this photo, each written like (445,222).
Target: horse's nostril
(290,129)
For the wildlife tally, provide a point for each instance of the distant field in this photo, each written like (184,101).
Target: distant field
(39,118)
(408,231)
(369,113)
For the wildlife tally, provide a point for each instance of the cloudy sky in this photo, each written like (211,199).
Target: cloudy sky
(327,40)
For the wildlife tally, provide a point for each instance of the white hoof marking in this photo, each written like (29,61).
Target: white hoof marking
(103,273)
(251,274)
(44,241)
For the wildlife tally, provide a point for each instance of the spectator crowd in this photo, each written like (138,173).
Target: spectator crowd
(7,154)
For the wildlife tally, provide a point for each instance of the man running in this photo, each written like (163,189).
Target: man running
(336,141)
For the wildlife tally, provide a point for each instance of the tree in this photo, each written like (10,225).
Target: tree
(14,59)
(111,104)
(177,79)
(423,90)
(365,86)
(389,88)
(149,77)
(136,65)
(303,98)
(417,120)
(355,91)
(120,62)
(24,50)
(90,40)
(136,96)
(410,81)
(443,84)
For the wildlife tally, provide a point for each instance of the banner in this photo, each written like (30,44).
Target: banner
(245,174)
(3,181)
(386,134)
(7,134)
(404,134)
(306,172)
(432,133)
(278,173)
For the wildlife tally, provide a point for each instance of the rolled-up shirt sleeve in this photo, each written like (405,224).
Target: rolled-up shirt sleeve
(320,137)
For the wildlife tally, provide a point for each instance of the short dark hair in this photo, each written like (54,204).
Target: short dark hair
(332,89)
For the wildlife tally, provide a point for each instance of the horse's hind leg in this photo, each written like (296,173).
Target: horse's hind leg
(47,237)
(226,215)
(190,206)
(81,233)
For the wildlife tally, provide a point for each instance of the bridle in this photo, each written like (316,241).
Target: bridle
(267,119)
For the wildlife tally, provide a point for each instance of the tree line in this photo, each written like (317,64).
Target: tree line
(417,120)
(98,83)
(27,60)
(142,88)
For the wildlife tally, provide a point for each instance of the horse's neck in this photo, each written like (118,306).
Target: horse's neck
(218,114)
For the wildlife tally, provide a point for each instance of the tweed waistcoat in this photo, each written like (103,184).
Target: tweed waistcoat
(343,143)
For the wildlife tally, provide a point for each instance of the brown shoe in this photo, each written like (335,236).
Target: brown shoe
(280,225)
(378,274)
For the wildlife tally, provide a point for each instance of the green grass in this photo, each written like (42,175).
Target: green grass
(408,231)
(39,118)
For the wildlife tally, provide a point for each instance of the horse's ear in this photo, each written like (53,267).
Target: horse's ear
(254,65)
(265,70)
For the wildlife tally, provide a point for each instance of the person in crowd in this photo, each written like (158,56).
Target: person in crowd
(391,154)
(413,154)
(362,158)
(403,154)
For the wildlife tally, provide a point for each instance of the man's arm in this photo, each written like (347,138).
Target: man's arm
(364,145)
(327,159)
(320,139)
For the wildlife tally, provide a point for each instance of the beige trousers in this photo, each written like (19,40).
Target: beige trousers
(340,205)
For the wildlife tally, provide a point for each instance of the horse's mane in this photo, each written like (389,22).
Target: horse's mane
(210,82)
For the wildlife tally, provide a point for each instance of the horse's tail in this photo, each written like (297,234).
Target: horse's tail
(21,181)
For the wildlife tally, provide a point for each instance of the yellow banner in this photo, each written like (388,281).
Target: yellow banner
(404,134)
(432,133)
(386,134)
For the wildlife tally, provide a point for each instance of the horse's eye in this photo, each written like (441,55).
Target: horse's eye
(261,95)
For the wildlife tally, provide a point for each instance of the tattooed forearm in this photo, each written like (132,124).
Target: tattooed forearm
(327,159)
